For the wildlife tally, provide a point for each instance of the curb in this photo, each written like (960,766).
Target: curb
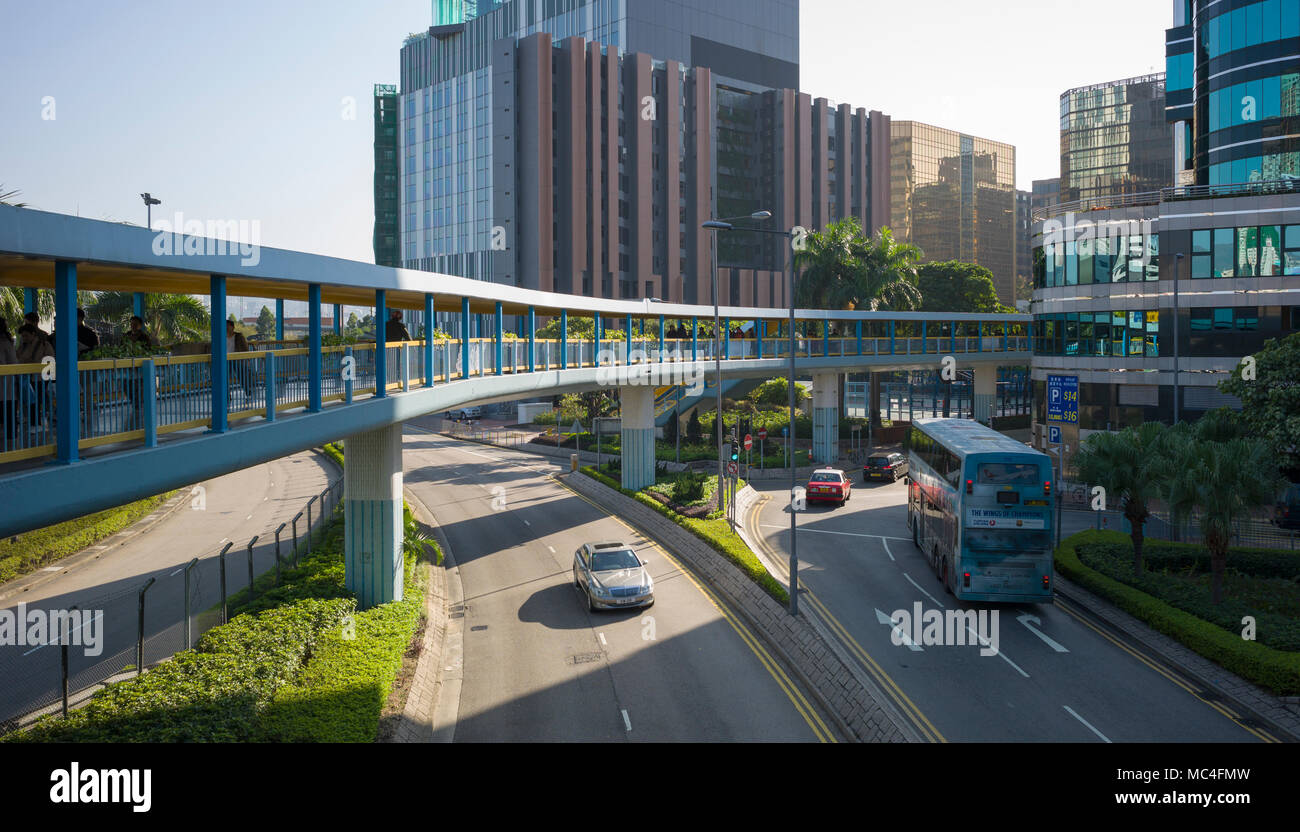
(1260,705)
(743,501)
(794,641)
(433,701)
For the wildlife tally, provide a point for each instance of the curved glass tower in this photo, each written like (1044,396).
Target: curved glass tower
(1233,90)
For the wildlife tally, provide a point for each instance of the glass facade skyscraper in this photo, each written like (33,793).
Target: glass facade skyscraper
(1234,90)
(1115,140)
(954,196)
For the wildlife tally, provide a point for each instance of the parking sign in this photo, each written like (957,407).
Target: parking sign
(1054,434)
(1063,399)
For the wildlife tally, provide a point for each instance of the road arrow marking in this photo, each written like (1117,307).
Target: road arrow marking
(898,628)
(1026,619)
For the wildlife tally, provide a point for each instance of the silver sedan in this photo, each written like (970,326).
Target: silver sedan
(611,576)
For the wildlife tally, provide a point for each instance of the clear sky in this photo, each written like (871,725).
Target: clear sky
(236,110)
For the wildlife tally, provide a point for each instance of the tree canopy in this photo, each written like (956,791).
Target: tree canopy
(953,286)
(1271,400)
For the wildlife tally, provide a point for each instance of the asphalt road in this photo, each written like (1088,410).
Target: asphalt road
(1057,676)
(539,667)
(254,501)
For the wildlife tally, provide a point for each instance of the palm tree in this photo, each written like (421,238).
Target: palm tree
(830,267)
(1224,482)
(168,317)
(1133,466)
(6,196)
(13,305)
(890,279)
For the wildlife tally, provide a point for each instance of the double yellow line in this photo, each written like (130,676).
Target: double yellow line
(1221,708)
(783,681)
(919,720)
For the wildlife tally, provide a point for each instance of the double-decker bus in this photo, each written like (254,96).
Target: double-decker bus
(979,506)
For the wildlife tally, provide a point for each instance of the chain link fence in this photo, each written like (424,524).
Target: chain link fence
(67,650)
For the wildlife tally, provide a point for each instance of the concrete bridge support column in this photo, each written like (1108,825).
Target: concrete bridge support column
(372,511)
(986,389)
(826,417)
(638,435)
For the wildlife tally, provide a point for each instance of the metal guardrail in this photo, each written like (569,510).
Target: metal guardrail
(1173,194)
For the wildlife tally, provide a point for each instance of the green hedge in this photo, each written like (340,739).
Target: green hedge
(717,533)
(212,693)
(1273,669)
(1277,627)
(39,548)
(296,662)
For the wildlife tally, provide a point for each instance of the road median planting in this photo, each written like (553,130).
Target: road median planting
(1168,599)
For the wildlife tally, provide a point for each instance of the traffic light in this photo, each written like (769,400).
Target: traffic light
(729,451)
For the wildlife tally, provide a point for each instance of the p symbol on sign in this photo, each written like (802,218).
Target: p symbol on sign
(1054,435)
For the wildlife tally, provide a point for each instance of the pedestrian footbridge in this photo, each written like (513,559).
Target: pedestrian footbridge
(82,436)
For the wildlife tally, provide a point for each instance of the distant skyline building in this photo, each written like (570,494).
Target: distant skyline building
(1115,139)
(954,196)
(1024,263)
(1233,95)
(1044,194)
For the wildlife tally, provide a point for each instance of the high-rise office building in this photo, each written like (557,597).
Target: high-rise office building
(954,196)
(1234,91)
(1115,139)
(471,101)
(1024,269)
(1145,308)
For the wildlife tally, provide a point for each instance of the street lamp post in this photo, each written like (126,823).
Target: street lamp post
(149,201)
(792,447)
(723,225)
(1178,266)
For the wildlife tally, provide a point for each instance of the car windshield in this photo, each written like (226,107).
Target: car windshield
(825,477)
(606,560)
(878,462)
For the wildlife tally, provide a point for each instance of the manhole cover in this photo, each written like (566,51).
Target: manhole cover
(586,658)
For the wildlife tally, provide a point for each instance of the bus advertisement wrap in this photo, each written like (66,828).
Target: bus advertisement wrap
(989,518)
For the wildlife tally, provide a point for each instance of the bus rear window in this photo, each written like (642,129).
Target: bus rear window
(1008,540)
(1008,473)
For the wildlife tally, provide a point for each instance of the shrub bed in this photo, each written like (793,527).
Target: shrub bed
(1274,669)
(297,662)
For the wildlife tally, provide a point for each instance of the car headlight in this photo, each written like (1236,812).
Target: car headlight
(600,589)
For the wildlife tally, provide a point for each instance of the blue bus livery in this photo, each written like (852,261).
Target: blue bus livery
(979,506)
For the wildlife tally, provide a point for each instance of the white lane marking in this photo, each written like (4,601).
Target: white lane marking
(52,569)
(602,639)
(825,531)
(985,642)
(552,548)
(56,636)
(922,591)
(1104,738)
(476,453)
(886,542)
(898,628)
(626,720)
(1027,618)
(526,523)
